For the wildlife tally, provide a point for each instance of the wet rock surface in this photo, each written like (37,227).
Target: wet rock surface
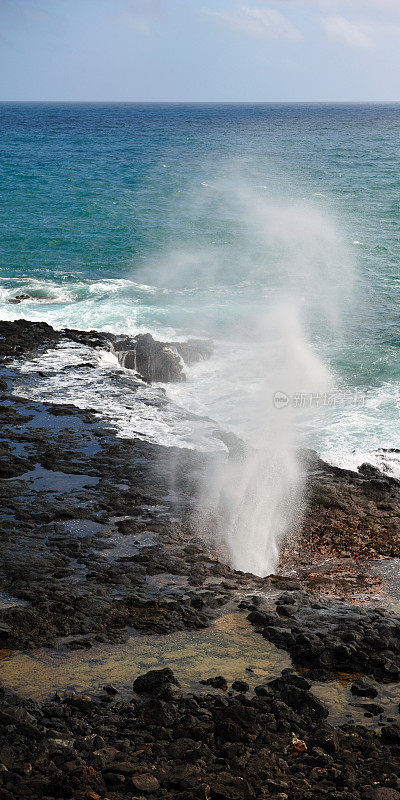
(152,360)
(93,546)
(88,538)
(91,541)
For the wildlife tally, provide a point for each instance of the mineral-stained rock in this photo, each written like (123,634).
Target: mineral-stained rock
(350,513)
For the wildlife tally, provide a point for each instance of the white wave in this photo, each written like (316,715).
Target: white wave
(385,460)
(355,434)
(116,305)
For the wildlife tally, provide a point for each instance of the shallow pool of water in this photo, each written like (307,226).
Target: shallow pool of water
(230,647)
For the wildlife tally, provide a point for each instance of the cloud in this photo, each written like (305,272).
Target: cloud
(350,33)
(143,7)
(359,24)
(138,16)
(257,22)
(344,5)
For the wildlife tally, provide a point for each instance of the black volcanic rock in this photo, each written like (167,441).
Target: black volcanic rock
(362,687)
(335,636)
(154,361)
(18,299)
(275,741)
(219,682)
(154,681)
(20,337)
(191,747)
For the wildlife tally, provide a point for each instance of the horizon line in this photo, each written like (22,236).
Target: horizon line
(210,102)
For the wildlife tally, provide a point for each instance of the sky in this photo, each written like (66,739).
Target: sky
(200,50)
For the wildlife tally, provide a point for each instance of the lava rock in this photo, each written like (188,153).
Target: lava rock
(154,681)
(219,682)
(391,734)
(240,686)
(362,687)
(145,783)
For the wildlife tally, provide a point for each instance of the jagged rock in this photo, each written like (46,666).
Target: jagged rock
(154,361)
(21,336)
(193,350)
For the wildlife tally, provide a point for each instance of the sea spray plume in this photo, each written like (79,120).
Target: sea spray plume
(255,495)
(301,252)
(272,287)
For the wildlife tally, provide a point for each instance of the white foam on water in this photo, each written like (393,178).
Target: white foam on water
(367,433)
(90,379)
(115,305)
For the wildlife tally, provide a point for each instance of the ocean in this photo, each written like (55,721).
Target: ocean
(272,229)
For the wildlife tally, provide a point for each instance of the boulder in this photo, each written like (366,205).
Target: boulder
(240,686)
(391,734)
(219,682)
(362,687)
(145,783)
(154,681)
(228,787)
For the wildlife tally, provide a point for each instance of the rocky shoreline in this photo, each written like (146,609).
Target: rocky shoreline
(97,540)
(275,743)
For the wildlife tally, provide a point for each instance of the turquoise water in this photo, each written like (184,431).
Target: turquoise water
(273,229)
